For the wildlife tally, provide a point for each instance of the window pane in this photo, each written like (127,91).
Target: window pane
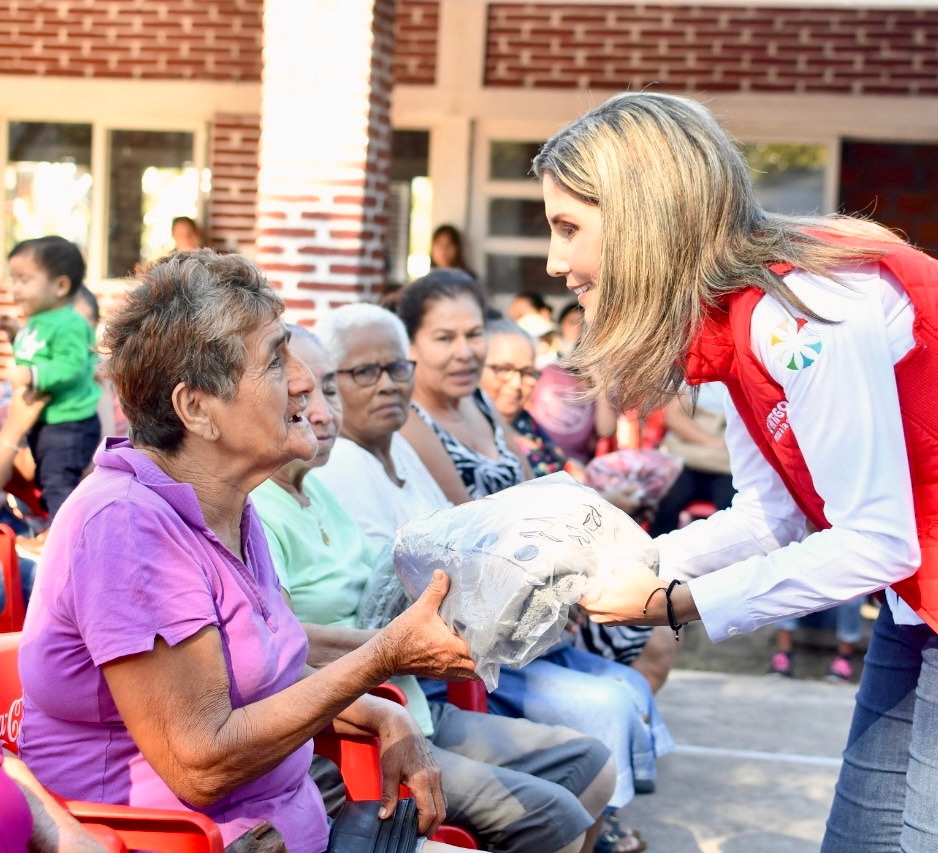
(517,217)
(511,161)
(410,154)
(47,181)
(788,178)
(152,180)
(507,274)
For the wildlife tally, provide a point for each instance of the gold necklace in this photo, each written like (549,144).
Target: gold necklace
(322,530)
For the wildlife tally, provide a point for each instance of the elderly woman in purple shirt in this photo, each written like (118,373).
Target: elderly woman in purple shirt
(161,666)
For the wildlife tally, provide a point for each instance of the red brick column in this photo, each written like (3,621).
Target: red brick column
(233,159)
(324,151)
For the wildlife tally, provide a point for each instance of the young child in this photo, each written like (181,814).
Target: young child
(54,355)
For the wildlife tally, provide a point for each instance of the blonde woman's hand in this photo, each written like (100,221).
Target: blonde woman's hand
(622,587)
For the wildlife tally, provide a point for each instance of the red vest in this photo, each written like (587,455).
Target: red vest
(722,352)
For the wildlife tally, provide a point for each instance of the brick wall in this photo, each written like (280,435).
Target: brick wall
(233,154)
(145,39)
(416,29)
(836,50)
(172,39)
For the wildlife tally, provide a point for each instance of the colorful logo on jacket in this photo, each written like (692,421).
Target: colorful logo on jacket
(795,344)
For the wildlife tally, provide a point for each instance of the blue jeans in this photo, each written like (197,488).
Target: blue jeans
(849,623)
(595,696)
(887,795)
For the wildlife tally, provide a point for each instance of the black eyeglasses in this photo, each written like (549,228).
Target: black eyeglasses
(503,372)
(369,374)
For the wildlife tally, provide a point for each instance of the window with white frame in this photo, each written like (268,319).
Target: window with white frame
(47,182)
(516,233)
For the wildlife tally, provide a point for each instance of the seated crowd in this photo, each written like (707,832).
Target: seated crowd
(221,586)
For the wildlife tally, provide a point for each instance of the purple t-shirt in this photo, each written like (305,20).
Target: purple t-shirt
(16,821)
(131,558)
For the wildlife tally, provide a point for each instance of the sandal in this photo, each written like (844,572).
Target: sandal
(616,838)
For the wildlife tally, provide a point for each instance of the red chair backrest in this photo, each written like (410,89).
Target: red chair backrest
(14,610)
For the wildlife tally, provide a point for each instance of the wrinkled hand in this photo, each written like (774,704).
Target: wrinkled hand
(621,588)
(406,759)
(419,642)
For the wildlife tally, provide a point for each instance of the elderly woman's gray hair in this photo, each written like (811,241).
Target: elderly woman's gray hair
(185,322)
(501,326)
(336,326)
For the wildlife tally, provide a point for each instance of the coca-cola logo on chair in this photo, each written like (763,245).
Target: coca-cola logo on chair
(10,724)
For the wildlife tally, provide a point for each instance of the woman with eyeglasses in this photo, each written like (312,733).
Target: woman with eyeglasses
(375,473)
(509,377)
(444,314)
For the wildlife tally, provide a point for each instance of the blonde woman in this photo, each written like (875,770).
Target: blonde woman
(824,331)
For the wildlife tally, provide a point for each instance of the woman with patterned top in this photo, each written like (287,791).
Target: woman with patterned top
(453,425)
(443,316)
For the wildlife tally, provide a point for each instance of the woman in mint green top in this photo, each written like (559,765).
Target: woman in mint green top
(317,549)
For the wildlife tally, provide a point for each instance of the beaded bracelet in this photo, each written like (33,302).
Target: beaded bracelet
(672,622)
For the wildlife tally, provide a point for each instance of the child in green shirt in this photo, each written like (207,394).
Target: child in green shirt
(54,355)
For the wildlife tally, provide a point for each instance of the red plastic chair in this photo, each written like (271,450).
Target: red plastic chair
(14,608)
(358,759)
(192,832)
(160,830)
(11,693)
(468,695)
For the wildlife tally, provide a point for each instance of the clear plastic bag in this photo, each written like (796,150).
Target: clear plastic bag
(517,560)
(643,475)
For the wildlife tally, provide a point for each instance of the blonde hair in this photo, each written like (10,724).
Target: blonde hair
(681,229)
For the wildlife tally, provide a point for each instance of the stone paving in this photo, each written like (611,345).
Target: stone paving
(757,755)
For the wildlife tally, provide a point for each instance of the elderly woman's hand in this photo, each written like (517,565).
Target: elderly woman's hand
(419,642)
(406,758)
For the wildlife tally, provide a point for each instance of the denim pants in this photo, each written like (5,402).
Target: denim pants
(62,452)
(887,795)
(849,622)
